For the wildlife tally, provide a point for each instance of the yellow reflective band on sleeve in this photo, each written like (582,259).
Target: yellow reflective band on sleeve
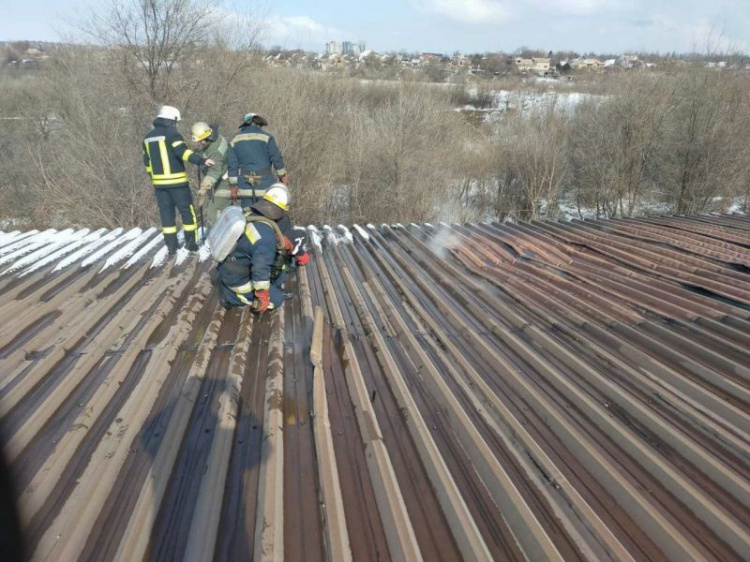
(186,154)
(243,299)
(262,285)
(177,143)
(246,288)
(169,229)
(249,137)
(252,233)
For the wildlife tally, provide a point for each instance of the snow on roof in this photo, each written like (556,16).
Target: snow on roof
(362,232)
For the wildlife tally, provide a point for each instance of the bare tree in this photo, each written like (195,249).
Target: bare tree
(153,38)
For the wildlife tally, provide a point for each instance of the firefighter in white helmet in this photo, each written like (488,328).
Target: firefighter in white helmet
(164,156)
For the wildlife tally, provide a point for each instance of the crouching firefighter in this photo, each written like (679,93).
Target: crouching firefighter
(251,252)
(164,155)
(294,237)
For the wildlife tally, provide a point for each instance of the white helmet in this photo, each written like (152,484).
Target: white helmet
(168,112)
(278,194)
(201,131)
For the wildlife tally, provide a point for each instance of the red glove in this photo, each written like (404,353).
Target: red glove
(261,301)
(288,246)
(233,193)
(303,259)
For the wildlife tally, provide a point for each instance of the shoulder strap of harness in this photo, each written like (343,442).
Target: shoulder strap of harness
(280,246)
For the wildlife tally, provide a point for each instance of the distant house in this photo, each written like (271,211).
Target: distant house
(429,58)
(586,64)
(524,65)
(460,61)
(277,60)
(631,61)
(334,63)
(540,65)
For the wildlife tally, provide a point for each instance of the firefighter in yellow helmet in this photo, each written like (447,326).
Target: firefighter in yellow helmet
(214,187)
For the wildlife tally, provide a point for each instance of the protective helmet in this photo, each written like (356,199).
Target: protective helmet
(254,119)
(201,131)
(168,112)
(278,194)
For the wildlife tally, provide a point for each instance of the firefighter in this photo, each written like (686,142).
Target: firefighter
(164,155)
(255,161)
(254,272)
(214,186)
(294,238)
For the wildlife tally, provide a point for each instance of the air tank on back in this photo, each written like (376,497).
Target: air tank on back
(226,231)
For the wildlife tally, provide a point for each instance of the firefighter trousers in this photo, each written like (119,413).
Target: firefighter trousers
(169,198)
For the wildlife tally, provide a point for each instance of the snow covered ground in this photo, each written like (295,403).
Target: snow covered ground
(529,101)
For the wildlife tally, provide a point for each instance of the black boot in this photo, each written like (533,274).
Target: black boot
(171,241)
(190,243)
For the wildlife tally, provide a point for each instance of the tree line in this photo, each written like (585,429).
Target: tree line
(357,151)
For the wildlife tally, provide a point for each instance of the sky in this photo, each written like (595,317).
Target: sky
(446,26)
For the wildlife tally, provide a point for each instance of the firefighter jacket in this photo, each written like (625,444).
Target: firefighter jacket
(216,150)
(249,267)
(165,153)
(254,152)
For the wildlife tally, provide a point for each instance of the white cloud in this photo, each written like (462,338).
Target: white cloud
(468,11)
(495,11)
(573,7)
(298,31)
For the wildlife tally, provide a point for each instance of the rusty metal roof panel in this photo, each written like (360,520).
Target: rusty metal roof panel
(520,391)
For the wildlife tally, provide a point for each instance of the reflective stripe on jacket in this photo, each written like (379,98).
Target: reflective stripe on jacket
(254,151)
(165,153)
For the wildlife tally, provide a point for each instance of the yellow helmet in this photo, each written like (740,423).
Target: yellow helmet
(201,131)
(278,194)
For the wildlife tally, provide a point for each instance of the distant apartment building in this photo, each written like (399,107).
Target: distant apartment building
(334,48)
(349,48)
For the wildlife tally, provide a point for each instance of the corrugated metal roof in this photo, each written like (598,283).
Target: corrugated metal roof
(537,391)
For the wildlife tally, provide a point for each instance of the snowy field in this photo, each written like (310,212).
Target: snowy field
(506,101)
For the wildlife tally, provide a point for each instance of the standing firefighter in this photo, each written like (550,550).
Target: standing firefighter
(214,185)
(255,161)
(164,155)
(252,253)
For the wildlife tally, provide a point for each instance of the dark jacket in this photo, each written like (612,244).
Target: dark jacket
(254,152)
(248,267)
(165,153)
